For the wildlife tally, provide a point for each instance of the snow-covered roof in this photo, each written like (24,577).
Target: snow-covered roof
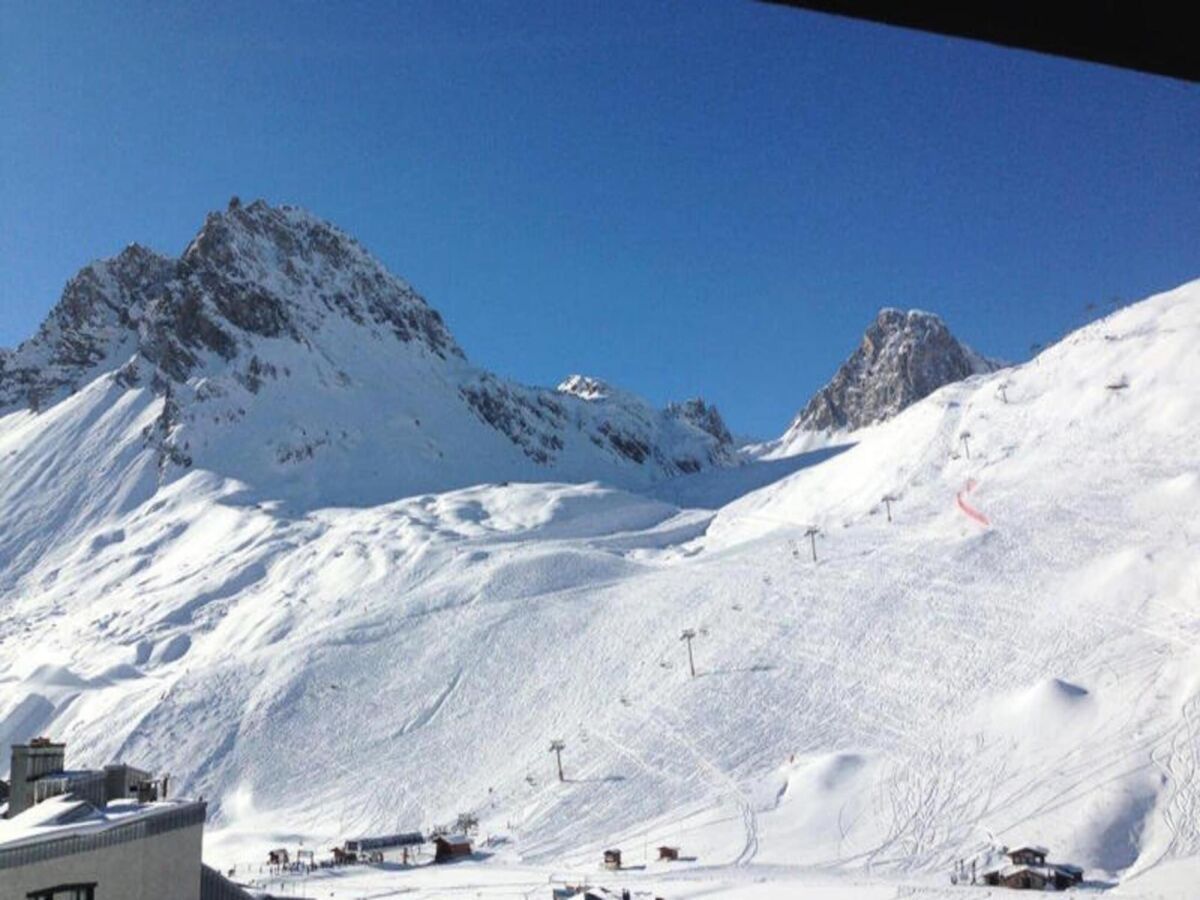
(453,838)
(384,842)
(63,815)
(1028,848)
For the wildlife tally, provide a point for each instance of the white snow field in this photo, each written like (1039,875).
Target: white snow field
(929,690)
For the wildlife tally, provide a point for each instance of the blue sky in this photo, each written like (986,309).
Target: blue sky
(684,198)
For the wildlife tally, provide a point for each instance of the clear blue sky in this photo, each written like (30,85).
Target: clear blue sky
(685,198)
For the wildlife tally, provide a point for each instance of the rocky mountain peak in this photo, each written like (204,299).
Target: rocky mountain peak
(903,357)
(281,270)
(584,387)
(276,351)
(268,238)
(705,417)
(251,272)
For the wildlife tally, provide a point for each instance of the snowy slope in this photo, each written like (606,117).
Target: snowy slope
(928,690)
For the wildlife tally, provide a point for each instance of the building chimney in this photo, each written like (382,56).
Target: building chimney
(31,761)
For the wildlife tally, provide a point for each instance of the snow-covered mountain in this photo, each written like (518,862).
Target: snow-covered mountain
(277,351)
(903,357)
(1012,656)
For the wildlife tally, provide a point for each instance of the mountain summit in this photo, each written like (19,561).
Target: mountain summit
(277,351)
(252,273)
(903,357)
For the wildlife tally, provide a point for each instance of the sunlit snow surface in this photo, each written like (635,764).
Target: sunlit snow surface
(927,690)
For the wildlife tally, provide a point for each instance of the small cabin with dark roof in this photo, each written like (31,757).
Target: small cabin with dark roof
(1028,856)
(451,846)
(612,859)
(1028,870)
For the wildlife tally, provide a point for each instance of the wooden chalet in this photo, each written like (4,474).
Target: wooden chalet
(1028,870)
(612,859)
(670,854)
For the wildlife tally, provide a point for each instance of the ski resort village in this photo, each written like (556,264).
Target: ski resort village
(297,601)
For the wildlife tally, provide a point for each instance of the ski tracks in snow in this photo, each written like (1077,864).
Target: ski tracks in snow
(724,783)
(430,712)
(716,777)
(1179,762)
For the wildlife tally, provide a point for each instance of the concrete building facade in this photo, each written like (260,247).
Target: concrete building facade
(76,852)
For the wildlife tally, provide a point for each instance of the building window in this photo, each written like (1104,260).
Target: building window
(65,892)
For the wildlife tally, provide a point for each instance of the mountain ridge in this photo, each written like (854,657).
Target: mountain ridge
(267,306)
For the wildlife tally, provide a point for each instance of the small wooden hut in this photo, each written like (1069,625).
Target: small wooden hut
(1028,856)
(450,846)
(612,859)
(1028,870)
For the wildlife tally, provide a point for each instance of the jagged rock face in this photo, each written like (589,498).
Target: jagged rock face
(695,412)
(680,439)
(584,387)
(280,352)
(704,417)
(530,419)
(630,427)
(98,316)
(251,272)
(248,266)
(903,357)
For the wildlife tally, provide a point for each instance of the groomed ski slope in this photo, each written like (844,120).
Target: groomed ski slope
(927,690)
